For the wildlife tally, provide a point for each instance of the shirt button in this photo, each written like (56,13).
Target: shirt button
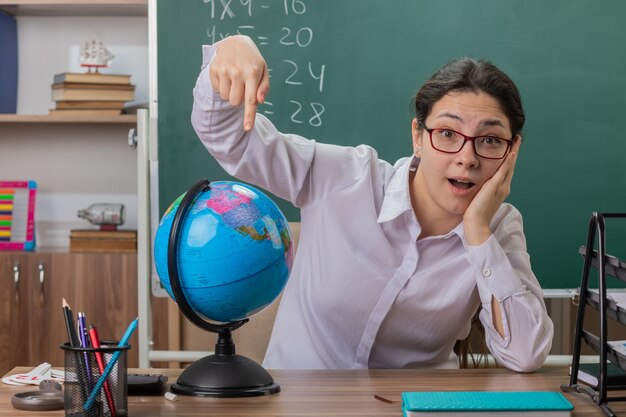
(486,273)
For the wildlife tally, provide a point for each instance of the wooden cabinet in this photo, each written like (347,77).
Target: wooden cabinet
(13,313)
(102,285)
(22,298)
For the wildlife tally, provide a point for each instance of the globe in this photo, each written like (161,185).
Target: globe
(234,253)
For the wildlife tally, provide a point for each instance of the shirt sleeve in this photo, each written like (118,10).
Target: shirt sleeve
(503,270)
(291,167)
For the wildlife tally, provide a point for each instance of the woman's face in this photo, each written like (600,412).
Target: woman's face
(446,182)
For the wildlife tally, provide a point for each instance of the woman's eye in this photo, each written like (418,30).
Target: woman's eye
(448,134)
(491,140)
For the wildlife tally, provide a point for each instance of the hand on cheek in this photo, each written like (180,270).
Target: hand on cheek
(489,198)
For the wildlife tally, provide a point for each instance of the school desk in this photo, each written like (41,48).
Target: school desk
(337,393)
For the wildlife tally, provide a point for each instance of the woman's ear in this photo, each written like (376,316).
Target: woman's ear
(517,142)
(416,135)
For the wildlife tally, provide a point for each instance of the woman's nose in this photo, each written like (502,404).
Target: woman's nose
(467,155)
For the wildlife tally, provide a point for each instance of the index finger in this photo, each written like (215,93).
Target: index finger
(250,103)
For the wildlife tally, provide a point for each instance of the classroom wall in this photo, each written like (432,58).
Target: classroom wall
(74,165)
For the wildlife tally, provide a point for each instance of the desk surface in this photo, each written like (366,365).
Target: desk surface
(338,393)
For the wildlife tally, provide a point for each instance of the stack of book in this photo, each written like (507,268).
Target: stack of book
(91,93)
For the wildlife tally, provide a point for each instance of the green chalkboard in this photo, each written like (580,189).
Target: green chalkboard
(344,71)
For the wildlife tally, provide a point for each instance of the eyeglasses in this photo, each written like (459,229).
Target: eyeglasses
(451,141)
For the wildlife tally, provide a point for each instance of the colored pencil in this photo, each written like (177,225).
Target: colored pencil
(123,342)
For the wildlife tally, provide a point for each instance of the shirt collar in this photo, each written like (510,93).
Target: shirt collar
(459,230)
(397,198)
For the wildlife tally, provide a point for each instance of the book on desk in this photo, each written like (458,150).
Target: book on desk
(485,403)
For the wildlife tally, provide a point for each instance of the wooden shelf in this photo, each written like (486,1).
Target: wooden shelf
(75,7)
(44,118)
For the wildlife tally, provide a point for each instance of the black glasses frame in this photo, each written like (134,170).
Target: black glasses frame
(509,142)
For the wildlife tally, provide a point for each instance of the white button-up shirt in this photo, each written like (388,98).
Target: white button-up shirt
(364,291)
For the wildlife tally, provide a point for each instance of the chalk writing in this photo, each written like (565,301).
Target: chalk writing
(297,83)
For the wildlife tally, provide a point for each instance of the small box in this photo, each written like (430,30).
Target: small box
(103,241)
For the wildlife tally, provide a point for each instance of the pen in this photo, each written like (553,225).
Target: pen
(95,343)
(84,342)
(123,342)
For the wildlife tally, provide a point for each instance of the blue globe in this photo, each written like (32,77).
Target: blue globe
(235,251)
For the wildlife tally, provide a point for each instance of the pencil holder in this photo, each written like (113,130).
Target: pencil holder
(83,368)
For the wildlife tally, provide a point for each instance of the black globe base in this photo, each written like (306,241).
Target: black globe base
(225,374)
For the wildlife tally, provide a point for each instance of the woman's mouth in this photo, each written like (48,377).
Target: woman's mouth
(461,187)
(466,185)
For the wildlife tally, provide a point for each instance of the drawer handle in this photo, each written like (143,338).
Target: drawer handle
(42,280)
(16,283)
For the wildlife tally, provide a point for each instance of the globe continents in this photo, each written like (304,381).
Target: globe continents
(234,253)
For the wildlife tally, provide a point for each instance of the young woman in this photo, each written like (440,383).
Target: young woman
(393,260)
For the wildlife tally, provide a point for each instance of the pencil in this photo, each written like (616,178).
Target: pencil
(69,323)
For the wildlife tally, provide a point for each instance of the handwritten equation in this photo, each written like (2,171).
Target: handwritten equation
(298,81)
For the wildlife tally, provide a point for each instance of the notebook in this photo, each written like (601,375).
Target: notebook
(485,403)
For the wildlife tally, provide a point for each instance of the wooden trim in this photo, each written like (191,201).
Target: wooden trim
(75,7)
(44,118)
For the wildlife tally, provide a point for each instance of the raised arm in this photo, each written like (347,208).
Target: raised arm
(233,81)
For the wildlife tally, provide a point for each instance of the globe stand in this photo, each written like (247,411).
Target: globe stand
(225,373)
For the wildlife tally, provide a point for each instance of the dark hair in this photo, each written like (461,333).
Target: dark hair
(468,74)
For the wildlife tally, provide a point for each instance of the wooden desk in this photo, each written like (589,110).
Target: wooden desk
(338,393)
